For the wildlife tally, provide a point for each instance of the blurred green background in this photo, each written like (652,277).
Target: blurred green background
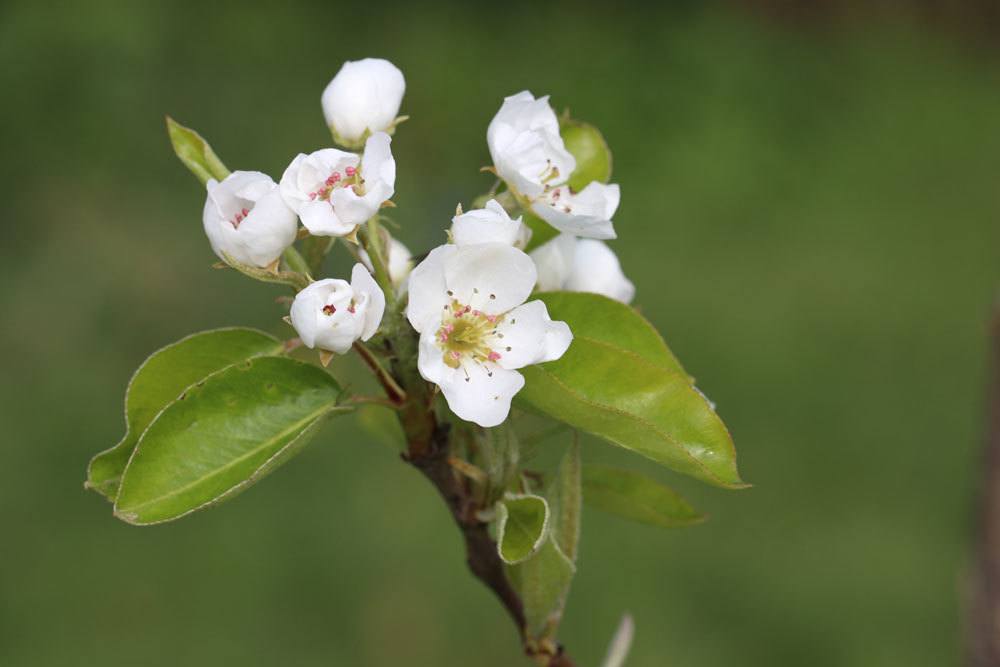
(810,214)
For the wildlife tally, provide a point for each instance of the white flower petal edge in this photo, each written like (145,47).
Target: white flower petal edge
(331,314)
(490,224)
(581,265)
(363,97)
(334,191)
(467,303)
(530,156)
(246,219)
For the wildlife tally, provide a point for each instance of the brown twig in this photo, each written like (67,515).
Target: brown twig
(393,391)
(983,614)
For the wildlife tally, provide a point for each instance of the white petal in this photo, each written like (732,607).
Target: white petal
(531,336)
(321,219)
(590,211)
(597,269)
(554,261)
(364,96)
(308,306)
(480,394)
(262,234)
(491,277)
(363,283)
(427,288)
(486,225)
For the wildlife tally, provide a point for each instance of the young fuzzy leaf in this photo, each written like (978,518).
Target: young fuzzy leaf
(221,435)
(521,525)
(564,501)
(593,157)
(636,497)
(542,582)
(161,378)
(195,153)
(619,381)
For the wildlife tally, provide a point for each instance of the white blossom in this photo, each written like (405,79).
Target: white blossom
(467,302)
(490,224)
(363,98)
(530,156)
(331,314)
(246,219)
(581,265)
(334,191)
(399,262)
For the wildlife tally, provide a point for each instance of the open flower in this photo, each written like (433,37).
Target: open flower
(467,303)
(399,262)
(331,314)
(530,156)
(362,99)
(246,219)
(581,265)
(333,191)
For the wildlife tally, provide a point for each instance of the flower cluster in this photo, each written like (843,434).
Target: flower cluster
(469,299)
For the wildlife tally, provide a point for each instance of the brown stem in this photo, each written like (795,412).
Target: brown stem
(983,618)
(392,389)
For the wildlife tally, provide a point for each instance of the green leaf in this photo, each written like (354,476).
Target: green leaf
(564,502)
(222,435)
(587,145)
(161,378)
(636,497)
(541,231)
(292,278)
(542,582)
(619,381)
(521,524)
(195,153)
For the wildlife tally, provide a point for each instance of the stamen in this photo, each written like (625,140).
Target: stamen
(329,309)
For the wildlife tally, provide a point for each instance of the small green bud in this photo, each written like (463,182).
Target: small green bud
(195,153)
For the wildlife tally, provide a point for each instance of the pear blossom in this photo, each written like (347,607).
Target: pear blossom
(581,265)
(467,301)
(331,314)
(334,191)
(399,262)
(490,224)
(246,220)
(530,156)
(363,98)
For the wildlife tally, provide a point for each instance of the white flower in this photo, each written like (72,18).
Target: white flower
(530,156)
(363,98)
(399,262)
(467,303)
(246,219)
(490,224)
(331,314)
(581,265)
(332,194)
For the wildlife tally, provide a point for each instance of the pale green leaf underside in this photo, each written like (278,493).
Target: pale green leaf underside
(196,154)
(593,157)
(634,496)
(521,524)
(223,435)
(564,497)
(542,582)
(161,378)
(619,381)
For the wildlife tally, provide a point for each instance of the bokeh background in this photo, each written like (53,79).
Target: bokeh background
(810,211)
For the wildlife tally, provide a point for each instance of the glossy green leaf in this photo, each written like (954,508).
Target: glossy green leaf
(195,152)
(223,434)
(521,525)
(619,381)
(564,497)
(587,145)
(161,378)
(542,582)
(636,497)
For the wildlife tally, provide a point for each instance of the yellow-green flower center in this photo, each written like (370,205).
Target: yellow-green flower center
(468,335)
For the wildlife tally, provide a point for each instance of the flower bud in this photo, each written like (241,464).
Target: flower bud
(331,314)
(362,99)
(246,219)
(581,265)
